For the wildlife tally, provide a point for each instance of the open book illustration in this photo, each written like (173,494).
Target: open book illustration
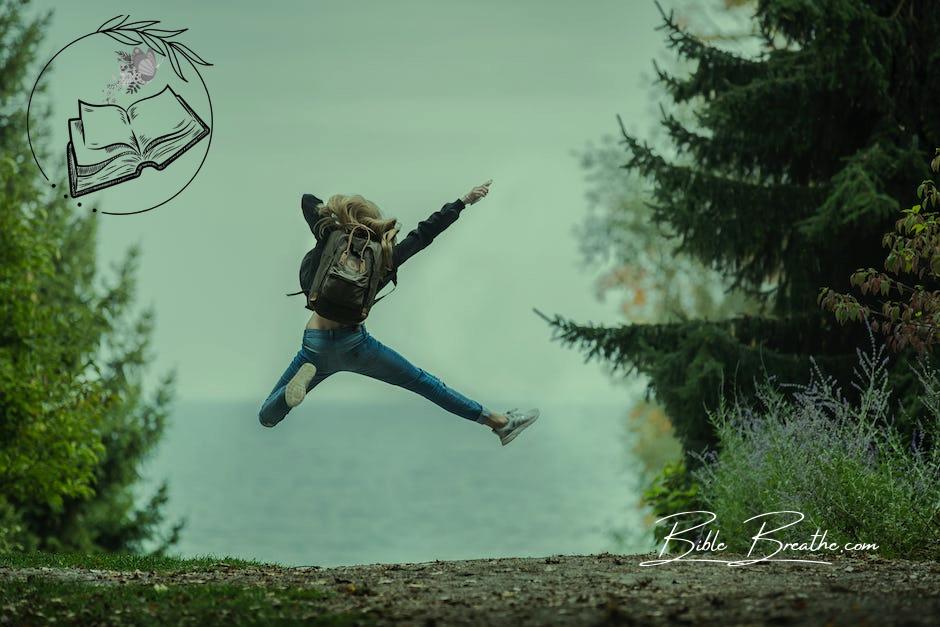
(110,145)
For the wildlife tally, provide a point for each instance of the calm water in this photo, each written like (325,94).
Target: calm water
(339,484)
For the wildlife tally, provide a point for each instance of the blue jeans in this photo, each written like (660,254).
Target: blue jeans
(353,349)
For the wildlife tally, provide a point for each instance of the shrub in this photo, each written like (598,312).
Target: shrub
(844,465)
(673,490)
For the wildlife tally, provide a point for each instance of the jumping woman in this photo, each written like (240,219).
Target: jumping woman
(330,345)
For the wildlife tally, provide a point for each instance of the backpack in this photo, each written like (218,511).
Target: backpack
(344,284)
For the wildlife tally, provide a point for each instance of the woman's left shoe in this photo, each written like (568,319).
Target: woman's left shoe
(296,388)
(517,422)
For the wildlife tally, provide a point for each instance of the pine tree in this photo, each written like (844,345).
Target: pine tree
(656,282)
(74,420)
(794,170)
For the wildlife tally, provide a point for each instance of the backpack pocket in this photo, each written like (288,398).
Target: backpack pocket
(345,284)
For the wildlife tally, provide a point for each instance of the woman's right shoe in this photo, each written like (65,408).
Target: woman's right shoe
(517,422)
(296,388)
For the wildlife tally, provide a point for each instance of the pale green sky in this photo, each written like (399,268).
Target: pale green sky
(410,104)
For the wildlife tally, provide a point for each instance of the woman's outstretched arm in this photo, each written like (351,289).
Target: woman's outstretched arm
(434,225)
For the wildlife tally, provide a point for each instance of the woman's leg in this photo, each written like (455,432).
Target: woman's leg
(374,359)
(275,407)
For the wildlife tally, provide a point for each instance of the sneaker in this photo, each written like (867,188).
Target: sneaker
(517,422)
(296,388)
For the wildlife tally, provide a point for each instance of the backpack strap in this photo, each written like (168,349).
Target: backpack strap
(395,281)
(384,295)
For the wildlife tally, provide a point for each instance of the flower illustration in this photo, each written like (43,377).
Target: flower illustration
(135,70)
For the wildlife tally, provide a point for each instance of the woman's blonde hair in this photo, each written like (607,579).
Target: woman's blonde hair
(347,211)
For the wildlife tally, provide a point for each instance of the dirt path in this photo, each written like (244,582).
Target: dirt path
(600,589)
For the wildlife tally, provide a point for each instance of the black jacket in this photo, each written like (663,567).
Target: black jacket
(416,240)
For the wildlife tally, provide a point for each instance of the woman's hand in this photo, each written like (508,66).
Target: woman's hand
(477,193)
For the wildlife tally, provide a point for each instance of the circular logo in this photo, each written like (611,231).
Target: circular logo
(131,121)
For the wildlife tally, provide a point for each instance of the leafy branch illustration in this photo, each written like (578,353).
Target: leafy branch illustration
(160,40)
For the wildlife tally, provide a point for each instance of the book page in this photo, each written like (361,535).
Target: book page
(158,118)
(89,157)
(94,167)
(105,125)
(166,148)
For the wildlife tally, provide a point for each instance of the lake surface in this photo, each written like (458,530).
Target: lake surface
(340,483)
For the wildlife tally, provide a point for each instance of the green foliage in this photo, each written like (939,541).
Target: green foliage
(833,460)
(50,422)
(785,181)
(75,421)
(38,601)
(11,529)
(909,315)
(688,362)
(658,282)
(123,562)
(640,262)
(671,492)
(201,591)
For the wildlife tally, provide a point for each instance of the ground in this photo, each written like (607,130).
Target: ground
(602,589)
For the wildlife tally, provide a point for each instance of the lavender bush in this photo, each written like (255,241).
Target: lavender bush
(843,465)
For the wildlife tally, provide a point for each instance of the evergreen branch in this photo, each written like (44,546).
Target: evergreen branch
(713,152)
(758,116)
(742,278)
(160,40)
(690,46)
(673,85)
(717,70)
(734,224)
(692,364)
(859,192)
(650,164)
(597,341)
(683,138)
